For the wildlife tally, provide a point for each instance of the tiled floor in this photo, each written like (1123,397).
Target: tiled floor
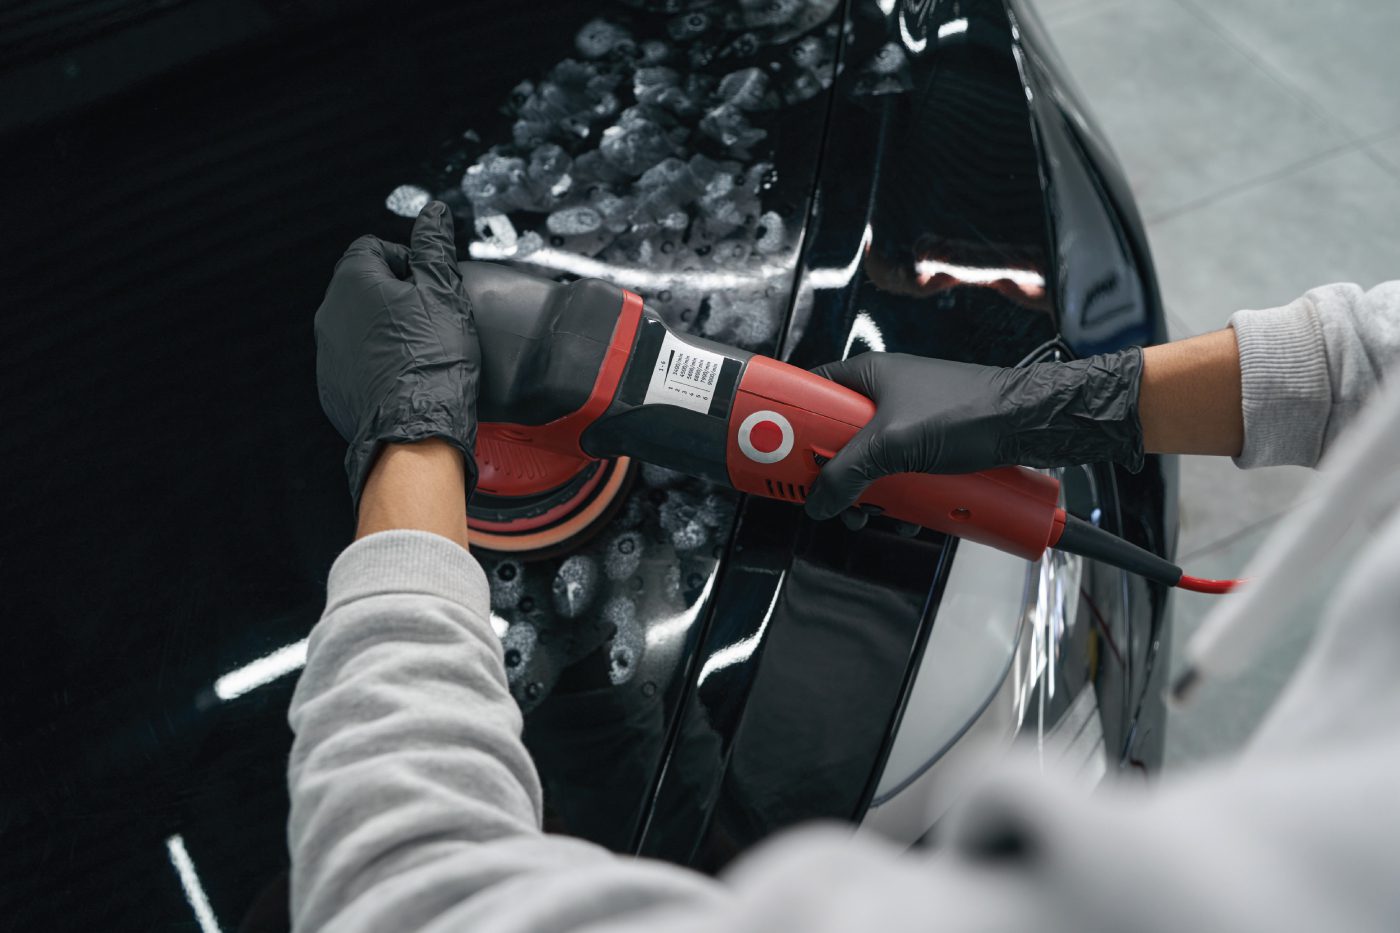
(1262,138)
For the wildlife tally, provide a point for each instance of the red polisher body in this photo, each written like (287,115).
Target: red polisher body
(786,422)
(638,390)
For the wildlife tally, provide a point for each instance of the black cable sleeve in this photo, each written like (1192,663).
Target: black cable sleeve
(1086,540)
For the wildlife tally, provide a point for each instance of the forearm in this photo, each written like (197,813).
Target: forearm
(419,487)
(1189,402)
(1278,385)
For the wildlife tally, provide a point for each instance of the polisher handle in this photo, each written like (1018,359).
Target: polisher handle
(787,422)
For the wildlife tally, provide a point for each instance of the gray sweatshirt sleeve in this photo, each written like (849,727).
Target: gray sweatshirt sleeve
(413,801)
(1308,366)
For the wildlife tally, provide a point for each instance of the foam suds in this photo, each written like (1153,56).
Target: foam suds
(623,555)
(576,585)
(507,580)
(648,156)
(629,639)
(518,646)
(407,200)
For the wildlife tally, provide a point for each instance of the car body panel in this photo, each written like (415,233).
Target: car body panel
(932,146)
(673,153)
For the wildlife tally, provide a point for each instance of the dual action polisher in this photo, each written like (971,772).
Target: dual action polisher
(581,379)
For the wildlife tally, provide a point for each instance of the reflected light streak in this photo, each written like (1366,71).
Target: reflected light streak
(886,6)
(864,329)
(189,880)
(712,280)
(974,275)
(839,277)
(914,45)
(631,276)
(264,670)
(952,28)
(677,625)
(744,648)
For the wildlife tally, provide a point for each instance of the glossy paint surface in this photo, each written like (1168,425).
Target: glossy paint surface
(673,152)
(176,497)
(934,231)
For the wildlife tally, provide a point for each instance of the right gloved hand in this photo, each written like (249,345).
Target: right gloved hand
(938,416)
(397,358)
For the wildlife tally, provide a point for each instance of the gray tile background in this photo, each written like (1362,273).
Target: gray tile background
(1262,139)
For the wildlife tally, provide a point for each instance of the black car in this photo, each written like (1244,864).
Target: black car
(806,179)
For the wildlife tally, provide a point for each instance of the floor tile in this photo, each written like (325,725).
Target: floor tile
(1335,221)
(1227,710)
(1218,499)
(1054,11)
(1341,53)
(1189,114)
(1225,713)
(1176,327)
(1387,149)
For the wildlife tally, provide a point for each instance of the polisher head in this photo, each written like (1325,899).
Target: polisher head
(533,503)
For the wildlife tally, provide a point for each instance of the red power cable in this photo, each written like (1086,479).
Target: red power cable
(1199,585)
(1076,536)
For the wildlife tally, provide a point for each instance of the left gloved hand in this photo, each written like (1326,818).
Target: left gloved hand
(397,358)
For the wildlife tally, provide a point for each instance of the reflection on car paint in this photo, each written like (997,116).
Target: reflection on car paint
(1053,605)
(189,881)
(407,200)
(949,178)
(260,671)
(646,160)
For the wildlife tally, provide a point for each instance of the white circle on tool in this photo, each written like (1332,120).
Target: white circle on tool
(762,420)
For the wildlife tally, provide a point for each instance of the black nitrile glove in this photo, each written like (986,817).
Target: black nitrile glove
(397,358)
(937,416)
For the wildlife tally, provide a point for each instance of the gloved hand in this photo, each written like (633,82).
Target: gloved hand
(397,358)
(937,416)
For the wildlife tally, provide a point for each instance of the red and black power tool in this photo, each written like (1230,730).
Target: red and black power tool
(579,379)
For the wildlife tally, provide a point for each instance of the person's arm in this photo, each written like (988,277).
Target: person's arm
(414,804)
(419,487)
(1278,385)
(1275,387)
(1189,401)
(414,801)
(1307,368)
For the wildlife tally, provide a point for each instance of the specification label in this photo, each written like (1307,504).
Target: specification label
(684,376)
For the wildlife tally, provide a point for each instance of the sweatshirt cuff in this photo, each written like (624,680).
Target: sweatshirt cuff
(406,562)
(1286,392)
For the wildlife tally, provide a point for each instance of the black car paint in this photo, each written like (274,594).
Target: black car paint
(788,753)
(177,467)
